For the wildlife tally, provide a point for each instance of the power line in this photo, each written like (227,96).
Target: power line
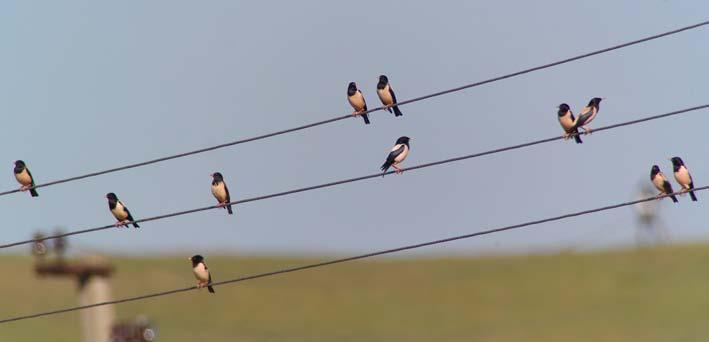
(356,179)
(352,258)
(319,123)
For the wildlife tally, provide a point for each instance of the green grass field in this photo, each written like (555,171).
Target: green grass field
(649,295)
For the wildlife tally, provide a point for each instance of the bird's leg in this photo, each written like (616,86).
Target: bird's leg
(386,107)
(398,170)
(587,130)
(567,135)
(659,196)
(119,224)
(24,188)
(357,112)
(221,205)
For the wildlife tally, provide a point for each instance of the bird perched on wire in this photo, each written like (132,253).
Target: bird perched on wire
(356,99)
(397,155)
(587,114)
(221,192)
(24,177)
(661,183)
(386,95)
(568,123)
(201,272)
(120,211)
(683,177)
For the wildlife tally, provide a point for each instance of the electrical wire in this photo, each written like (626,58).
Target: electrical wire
(356,179)
(319,123)
(352,258)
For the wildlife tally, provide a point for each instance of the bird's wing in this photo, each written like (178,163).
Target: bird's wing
(30,174)
(130,217)
(585,115)
(395,152)
(667,187)
(572,115)
(691,181)
(228,198)
(391,91)
(363,99)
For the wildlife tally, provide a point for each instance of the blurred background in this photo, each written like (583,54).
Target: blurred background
(92,85)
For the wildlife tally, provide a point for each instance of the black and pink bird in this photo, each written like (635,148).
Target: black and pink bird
(356,99)
(24,177)
(221,192)
(397,155)
(683,177)
(201,272)
(120,211)
(386,95)
(568,123)
(661,183)
(587,114)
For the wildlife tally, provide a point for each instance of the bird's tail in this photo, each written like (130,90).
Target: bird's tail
(135,225)
(228,208)
(674,198)
(210,288)
(397,112)
(693,196)
(366,119)
(577,137)
(33,192)
(385,167)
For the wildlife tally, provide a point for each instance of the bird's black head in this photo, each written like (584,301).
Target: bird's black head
(563,108)
(595,102)
(383,81)
(196,260)
(654,171)
(677,163)
(217,177)
(111,196)
(403,140)
(351,89)
(19,166)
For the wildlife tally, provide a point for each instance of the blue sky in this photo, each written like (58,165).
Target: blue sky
(91,85)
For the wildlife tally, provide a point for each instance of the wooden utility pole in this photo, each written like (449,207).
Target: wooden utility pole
(92,275)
